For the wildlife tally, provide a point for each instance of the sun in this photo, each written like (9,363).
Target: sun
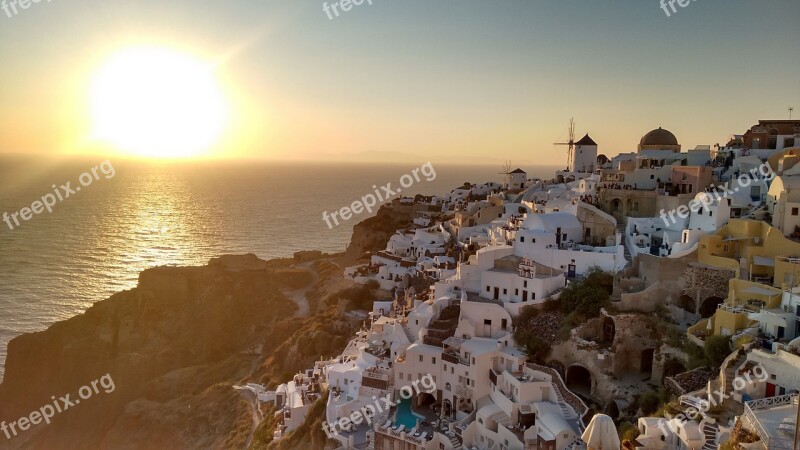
(157,102)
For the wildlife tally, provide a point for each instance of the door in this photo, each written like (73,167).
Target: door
(497,293)
(525,298)
(770,390)
(571,271)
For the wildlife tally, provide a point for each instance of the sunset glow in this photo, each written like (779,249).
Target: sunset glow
(157,102)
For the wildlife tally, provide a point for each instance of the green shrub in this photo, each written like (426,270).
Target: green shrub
(526,314)
(649,402)
(587,295)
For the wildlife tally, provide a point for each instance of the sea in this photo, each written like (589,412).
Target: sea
(129,216)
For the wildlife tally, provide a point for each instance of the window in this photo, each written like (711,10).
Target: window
(516,291)
(794,211)
(420,358)
(434,359)
(533,240)
(401,375)
(522,238)
(700,211)
(505,291)
(524,284)
(488,289)
(652,177)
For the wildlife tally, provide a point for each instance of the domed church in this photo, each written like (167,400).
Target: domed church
(659,139)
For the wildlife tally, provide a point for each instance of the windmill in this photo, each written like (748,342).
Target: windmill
(570,144)
(506,170)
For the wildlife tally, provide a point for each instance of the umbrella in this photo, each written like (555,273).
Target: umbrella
(601,434)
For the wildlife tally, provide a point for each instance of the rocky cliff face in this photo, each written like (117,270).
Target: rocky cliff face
(174,345)
(372,234)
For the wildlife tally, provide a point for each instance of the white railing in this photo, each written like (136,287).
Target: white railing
(770,402)
(765,403)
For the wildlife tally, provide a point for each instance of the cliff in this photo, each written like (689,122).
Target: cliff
(173,346)
(177,343)
(372,234)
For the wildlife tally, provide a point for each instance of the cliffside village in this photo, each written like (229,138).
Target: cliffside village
(704,240)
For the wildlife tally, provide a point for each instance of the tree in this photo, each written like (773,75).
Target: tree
(535,347)
(716,349)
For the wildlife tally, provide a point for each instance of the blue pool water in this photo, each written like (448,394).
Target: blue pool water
(405,416)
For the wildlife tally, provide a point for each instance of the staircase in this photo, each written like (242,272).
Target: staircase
(567,411)
(443,327)
(409,335)
(455,442)
(710,432)
(730,371)
(621,231)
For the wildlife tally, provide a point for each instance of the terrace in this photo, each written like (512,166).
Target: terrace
(773,419)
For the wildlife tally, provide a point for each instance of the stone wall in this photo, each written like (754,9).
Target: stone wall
(702,282)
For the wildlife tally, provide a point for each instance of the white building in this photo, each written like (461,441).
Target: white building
(783,202)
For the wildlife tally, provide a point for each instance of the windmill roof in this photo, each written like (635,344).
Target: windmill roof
(518,170)
(586,140)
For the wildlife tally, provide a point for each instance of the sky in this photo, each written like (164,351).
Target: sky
(470,81)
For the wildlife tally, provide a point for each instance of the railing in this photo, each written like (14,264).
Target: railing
(765,403)
(561,389)
(771,402)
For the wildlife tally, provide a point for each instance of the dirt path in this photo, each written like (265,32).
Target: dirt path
(299,296)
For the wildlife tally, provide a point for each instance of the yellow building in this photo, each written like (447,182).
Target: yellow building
(765,262)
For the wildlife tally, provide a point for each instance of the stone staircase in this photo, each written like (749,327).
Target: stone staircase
(730,371)
(454,442)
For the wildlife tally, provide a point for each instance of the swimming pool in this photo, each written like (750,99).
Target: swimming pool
(405,416)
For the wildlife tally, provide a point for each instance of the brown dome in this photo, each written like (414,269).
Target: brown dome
(659,137)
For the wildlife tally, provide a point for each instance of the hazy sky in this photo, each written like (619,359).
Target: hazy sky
(447,80)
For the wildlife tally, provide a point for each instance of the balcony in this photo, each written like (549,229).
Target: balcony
(454,358)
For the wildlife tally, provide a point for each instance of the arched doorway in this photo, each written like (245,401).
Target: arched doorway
(709,306)
(579,380)
(686,303)
(646,366)
(612,409)
(616,205)
(448,408)
(609,330)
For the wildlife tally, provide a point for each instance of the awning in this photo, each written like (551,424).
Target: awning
(755,290)
(763,261)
